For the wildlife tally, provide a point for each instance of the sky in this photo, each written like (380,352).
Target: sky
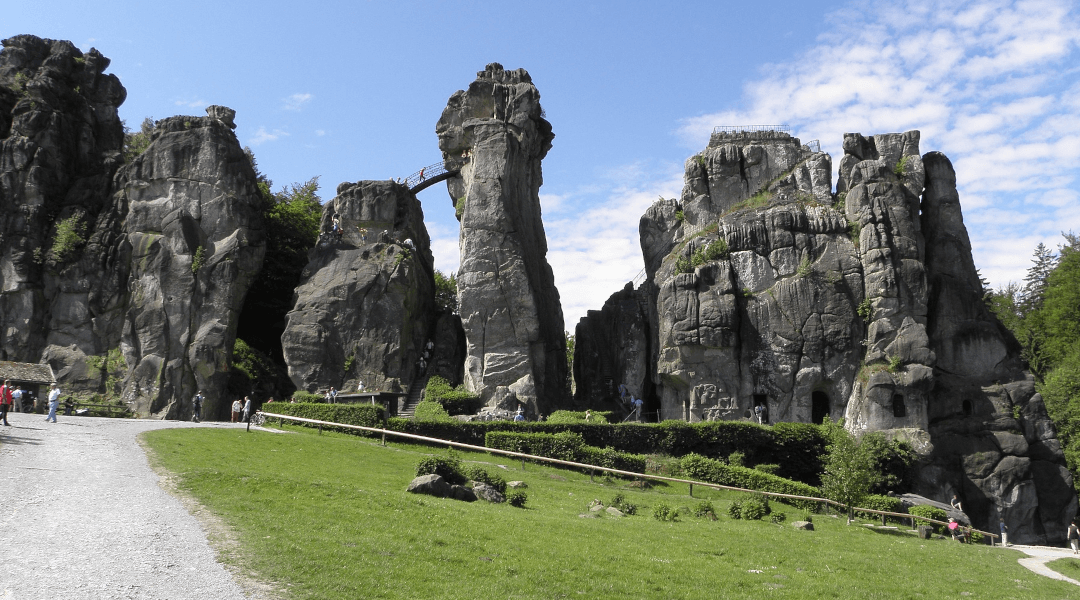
(348,91)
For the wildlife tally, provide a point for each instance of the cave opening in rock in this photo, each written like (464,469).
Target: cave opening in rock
(898,407)
(819,407)
(966,408)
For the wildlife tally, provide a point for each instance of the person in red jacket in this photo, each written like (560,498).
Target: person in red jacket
(5,402)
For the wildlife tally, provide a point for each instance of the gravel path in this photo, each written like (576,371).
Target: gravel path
(1038,556)
(85,517)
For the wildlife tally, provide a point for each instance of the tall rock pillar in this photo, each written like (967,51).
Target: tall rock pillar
(494,134)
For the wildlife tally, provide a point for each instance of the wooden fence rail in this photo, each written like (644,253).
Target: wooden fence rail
(593,468)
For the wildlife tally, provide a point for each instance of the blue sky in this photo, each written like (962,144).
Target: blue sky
(352,90)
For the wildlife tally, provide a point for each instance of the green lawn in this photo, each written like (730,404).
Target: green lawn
(1069,567)
(328,517)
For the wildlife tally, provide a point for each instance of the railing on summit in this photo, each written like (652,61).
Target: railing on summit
(814,145)
(719,129)
(427,176)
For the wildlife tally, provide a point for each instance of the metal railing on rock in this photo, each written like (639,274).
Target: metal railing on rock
(429,175)
(594,468)
(720,129)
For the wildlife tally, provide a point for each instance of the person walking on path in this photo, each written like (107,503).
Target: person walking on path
(236,408)
(5,402)
(1074,537)
(54,402)
(196,406)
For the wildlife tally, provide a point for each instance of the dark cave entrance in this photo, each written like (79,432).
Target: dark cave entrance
(819,407)
(898,407)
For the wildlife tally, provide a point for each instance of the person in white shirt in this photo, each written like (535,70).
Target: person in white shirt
(54,402)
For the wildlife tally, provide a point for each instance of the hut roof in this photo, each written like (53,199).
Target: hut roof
(26,372)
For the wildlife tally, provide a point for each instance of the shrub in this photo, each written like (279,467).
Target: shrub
(564,446)
(865,310)
(930,512)
(737,459)
(364,415)
(901,167)
(517,499)
(70,234)
(751,507)
(717,250)
(679,216)
(198,260)
(663,512)
(476,473)
(456,401)
(683,265)
(714,471)
(771,469)
(427,410)
(882,503)
(308,397)
(620,503)
(447,466)
(778,517)
(703,509)
(459,207)
(805,268)
(894,364)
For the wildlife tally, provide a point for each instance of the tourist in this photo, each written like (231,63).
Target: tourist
(1074,537)
(236,408)
(955,503)
(759,410)
(360,386)
(5,401)
(196,406)
(519,416)
(954,529)
(1004,532)
(54,402)
(247,408)
(331,396)
(588,413)
(17,400)
(638,405)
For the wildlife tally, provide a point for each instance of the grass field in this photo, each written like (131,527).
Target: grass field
(328,517)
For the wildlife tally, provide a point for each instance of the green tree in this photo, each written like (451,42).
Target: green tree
(849,466)
(445,292)
(136,142)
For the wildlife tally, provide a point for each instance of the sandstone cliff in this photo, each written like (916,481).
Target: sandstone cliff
(365,308)
(766,289)
(150,266)
(494,134)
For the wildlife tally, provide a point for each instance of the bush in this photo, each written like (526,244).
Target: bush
(364,415)
(308,397)
(703,509)
(930,512)
(564,446)
(430,411)
(447,466)
(771,469)
(481,474)
(663,512)
(714,471)
(517,499)
(736,459)
(620,503)
(456,401)
(751,507)
(778,517)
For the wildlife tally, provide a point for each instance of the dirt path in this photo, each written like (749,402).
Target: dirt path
(85,517)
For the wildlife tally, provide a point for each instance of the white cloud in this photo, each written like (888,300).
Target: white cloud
(262,135)
(187,103)
(991,83)
(320,132)
(296,101)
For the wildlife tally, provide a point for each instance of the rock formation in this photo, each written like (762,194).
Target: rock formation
(612,349)
(365,308)
(150,266)
(194,225)
(766,289)
(494,134)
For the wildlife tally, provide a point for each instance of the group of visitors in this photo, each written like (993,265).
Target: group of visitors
(241,412)
(331,396)
(425,358)
(636,404)
(15,399)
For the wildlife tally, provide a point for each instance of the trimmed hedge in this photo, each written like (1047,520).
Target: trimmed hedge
(883,503)
(571,416)
(365,415)
(713,471)
(930,512)
(796,447)
(567,446)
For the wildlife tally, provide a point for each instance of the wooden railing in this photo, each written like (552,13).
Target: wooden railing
(593,469)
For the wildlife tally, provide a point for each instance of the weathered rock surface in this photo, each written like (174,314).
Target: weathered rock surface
(365,308)
(432,485)
(96,259)
(612,349)
(62,276)
(495,135)
(764,288)
(487,493)
(195,228)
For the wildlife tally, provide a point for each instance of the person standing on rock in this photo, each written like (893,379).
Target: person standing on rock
(54,402)
(196,406)
(5,402)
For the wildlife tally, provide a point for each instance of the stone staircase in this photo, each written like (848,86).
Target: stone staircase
(416,392)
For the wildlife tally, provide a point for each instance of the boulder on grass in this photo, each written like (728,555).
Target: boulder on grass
(486,492)
(460,492)
(805,525)
(432,485)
